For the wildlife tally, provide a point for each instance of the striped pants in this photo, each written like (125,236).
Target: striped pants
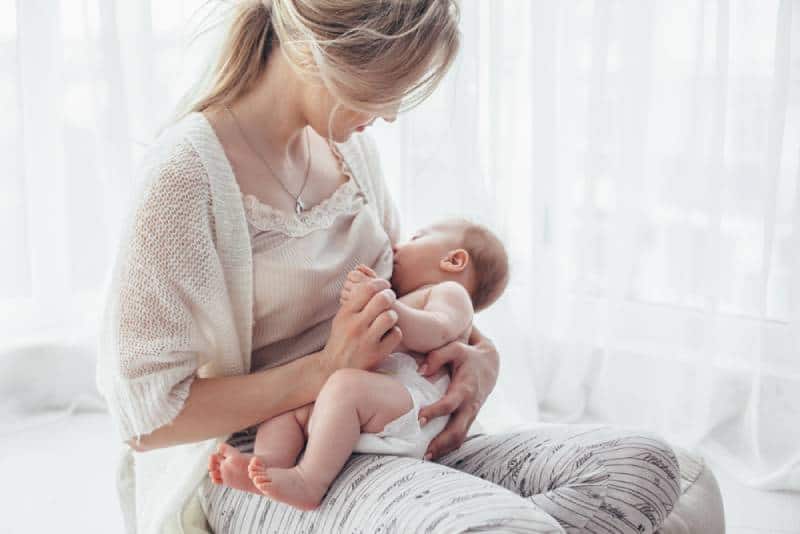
(554,478)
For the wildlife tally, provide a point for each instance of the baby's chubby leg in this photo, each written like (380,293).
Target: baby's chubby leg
(278,442)
(352,401)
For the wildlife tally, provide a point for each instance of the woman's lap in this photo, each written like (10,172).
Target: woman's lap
(589,478)
(597,479)
(381,494)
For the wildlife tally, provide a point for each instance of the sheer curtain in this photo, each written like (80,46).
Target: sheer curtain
(640,159)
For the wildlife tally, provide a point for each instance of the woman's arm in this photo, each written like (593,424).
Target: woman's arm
(222,405)
(475,367)
(362,334)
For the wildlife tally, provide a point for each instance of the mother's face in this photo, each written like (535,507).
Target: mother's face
(319,104)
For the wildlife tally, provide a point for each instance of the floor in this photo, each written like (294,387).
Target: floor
(69,465)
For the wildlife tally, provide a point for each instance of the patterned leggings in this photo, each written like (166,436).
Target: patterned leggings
(570,477)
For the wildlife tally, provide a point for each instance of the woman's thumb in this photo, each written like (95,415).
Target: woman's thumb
(433,362)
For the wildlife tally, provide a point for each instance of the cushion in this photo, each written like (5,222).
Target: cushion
(699,509)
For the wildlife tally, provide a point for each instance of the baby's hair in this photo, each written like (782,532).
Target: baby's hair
(489,261)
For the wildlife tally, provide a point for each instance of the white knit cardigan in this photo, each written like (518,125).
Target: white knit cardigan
(178,305)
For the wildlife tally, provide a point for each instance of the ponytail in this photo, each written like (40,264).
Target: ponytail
(244,55)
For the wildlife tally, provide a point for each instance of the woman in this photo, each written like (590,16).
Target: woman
(256,205)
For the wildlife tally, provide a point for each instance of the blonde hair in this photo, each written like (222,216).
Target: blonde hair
(371,55)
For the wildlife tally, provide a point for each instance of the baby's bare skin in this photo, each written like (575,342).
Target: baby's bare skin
(416,300)
(363,402)
(351,402)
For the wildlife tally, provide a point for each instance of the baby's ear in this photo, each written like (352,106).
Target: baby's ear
(455,261)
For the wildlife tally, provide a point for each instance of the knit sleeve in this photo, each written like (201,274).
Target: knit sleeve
(390,214)
(166,274)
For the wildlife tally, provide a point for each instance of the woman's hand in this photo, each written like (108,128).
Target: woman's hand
(363,332)
(474,375)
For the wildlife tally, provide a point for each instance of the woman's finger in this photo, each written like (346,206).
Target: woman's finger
(382,324)
(379,303)
(389,341)
(441,356)
(361,294)
(444,406)
(453,435)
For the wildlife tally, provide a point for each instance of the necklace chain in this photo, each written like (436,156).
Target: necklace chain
(299,207)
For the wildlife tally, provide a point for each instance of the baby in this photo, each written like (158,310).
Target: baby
(440,276)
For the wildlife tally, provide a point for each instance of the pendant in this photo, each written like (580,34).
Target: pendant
(299,207)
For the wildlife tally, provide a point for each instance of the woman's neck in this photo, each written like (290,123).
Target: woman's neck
(271,113)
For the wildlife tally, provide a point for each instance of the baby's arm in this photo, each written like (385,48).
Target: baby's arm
(446,315)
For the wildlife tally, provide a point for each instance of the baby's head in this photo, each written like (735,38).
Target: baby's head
(456,250)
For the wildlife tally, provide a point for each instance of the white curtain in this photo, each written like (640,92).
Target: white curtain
(640,159)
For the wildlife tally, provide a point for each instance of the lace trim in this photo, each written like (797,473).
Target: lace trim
(347,199)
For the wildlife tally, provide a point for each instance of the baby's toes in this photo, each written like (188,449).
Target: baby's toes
(214,468)
(213,462)
(256,466)
(262,482)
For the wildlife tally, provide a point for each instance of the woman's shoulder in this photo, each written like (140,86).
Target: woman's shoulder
(181,148)
(174,184)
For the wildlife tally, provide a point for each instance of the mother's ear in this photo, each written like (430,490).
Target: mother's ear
(455,261)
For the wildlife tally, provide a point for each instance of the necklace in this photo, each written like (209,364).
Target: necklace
(299,207)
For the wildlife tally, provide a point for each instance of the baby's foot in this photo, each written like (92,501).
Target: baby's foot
(228,466)
(286,485)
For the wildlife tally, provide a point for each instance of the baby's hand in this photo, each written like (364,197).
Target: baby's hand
(360,274)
